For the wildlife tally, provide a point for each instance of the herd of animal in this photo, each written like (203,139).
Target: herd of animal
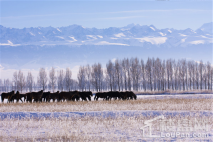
(41,96)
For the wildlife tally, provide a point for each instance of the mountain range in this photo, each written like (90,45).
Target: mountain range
(130,35)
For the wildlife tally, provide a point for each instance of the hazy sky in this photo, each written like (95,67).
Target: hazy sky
(104,14)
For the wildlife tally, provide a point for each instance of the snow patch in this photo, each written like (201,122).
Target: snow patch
(162,34)
(193,31)
(203,36)
(9,43)
(60,37)
(91,37)
(72,38)
(108,43)
(152,28)
(170,31)
(197,42)
(31,33)
(99,36)
(58,29)
(113,38)
(153,40)
(182,34)
(183,40)
(119,35)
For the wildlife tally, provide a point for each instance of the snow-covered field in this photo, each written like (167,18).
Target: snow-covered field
(103,120)
(120,128)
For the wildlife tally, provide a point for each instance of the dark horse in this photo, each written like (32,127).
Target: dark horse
(54,96)
(17,97)
(103,95)
(115,95)
(131,95)
(69,96)
(7,95)
(37,96)
(45,96)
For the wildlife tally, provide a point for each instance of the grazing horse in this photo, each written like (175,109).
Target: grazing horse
(88,95)
(65,96)
(114,95)
(123,95)
(75,95)
(131,95)
(37,96)
(45,96)
(103,95)
(83,96)
(6,95)
(54,96)
(16,97)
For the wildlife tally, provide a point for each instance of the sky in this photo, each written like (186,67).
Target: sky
(104,14)
(177,14)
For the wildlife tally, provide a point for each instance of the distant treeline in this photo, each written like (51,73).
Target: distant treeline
(132,74)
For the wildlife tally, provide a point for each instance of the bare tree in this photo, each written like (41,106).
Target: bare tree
(149,72)
(135,72)
(21,81)
(30,81)
(6,85)
(15,80)
(68,79)
(61,80)
(97,75)
(42,78)
(201,74)
(82,78)
(88,76)
(52,79)
(110,73)
(118,73)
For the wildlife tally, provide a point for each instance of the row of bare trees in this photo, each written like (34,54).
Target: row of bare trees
(121,75)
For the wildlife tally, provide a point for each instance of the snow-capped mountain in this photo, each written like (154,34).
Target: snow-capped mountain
(130,35)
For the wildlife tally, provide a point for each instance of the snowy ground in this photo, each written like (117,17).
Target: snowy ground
(103,120)
(95,128)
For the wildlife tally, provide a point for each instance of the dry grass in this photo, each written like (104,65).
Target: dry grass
(178,103)
(86,129)
(172,92)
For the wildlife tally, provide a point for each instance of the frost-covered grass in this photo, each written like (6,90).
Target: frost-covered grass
(173,92)
(90,129)
(103,127)
(144,102)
